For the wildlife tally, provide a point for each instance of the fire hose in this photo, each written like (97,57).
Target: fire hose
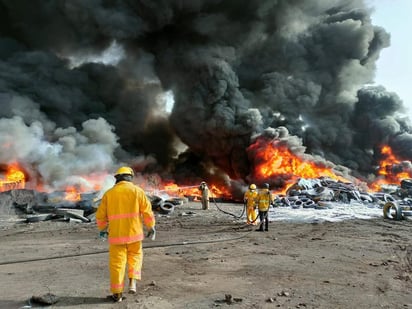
(145,246)
(241,215)
(229,213)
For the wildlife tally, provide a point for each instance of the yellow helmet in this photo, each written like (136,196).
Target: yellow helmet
(124,170)
(252,186)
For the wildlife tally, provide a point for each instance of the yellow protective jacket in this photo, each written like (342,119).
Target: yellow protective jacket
(250,198)
(123,211)
(264,198)
(205,191)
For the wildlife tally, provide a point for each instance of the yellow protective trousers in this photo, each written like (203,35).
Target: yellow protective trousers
(251,214)
(120,256)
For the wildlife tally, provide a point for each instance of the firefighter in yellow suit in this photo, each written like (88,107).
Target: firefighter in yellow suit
(250,201)
(205,195)
(264,200)
(123,211)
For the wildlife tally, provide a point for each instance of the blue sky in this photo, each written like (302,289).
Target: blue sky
(394,67)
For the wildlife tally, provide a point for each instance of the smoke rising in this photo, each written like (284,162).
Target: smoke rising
(80,83)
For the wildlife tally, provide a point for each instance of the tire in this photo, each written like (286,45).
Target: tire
(156,202)
(297,204)
(392,211)
(166,208)
(388,198)
(406,184)
(366,198)
(286,201)
(407,213)
(309,204)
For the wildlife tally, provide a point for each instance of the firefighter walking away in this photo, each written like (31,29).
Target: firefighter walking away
(122,213)
(264,200)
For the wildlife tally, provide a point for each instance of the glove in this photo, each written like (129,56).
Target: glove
(151,233)
(103,234)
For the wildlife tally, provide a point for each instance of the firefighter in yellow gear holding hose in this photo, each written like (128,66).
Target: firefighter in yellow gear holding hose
(249,198)
(123,211)
(264,200)
(204,189)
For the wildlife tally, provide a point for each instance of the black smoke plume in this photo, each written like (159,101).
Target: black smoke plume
(86,85)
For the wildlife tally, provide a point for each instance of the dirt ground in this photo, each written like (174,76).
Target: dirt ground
(209,259)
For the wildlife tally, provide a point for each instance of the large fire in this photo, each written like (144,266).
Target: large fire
(13,178)
(271,161)
(391,169)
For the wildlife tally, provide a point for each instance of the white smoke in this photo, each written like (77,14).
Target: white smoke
(58,155)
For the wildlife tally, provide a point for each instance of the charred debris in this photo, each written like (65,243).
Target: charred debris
(320,193)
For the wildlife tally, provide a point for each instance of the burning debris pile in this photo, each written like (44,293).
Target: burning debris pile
(34,206)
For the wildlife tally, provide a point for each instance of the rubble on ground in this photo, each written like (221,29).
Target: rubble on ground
(33,206)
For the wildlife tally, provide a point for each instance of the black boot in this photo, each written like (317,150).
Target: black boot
(117,297)
(260,229)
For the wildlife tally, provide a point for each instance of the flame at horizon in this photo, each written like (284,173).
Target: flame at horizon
(273,162)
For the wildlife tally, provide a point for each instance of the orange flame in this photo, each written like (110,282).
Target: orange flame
(14,178)
(174,189)
(72,194)
(388,171)
(273,160)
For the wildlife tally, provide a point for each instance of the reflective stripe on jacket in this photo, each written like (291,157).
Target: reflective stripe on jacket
(264,199)
(250,197)
(123,210)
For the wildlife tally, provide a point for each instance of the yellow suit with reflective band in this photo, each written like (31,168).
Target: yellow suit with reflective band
(124,210)
(250,198)
(264,198)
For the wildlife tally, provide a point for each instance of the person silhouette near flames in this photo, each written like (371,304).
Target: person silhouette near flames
(249,198)
(204,189)
(264,200)
(123,211)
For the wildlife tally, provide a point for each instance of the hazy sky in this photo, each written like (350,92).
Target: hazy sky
(395,63)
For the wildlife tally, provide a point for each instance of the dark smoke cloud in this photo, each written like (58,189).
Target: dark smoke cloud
(235,68)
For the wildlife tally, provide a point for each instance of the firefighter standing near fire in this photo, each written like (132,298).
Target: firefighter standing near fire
(249,198)
(123,211)
(264,200)
(205,195)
